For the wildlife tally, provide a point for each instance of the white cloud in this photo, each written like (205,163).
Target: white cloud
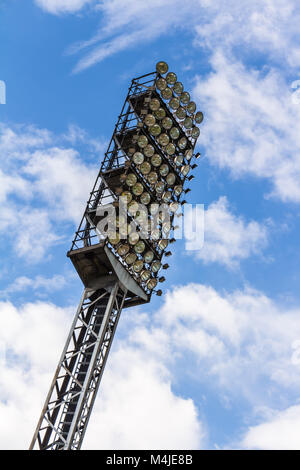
(23,283)
(10,184)
(251,125)
(46,174)
(280,432)
(243,342)
(268,27)
(34,234)
(62,6)
(260,25)
(239,344)
(135,393)
(30,345)
(137,408)
(62,179)
(228,238)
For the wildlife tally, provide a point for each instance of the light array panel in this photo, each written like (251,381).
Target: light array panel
(144,173)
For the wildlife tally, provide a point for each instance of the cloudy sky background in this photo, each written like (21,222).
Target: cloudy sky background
(215,362)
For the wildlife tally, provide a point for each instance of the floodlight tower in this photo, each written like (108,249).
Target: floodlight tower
(147,163)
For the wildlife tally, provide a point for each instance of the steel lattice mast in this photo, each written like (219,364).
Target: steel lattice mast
(117,274)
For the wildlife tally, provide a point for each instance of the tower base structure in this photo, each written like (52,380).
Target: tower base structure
(68,406)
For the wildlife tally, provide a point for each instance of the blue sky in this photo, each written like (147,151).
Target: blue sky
(214,362)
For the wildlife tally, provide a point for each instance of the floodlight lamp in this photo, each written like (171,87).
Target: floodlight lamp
(167,94)
(138,158)
(133,238)
(152,177)
(162,67)
(145,275)
(166,227)
(148,257)
(188,154)
(164,169)
(163,139)
(191,107)
(114,238)
(159,187)
(131,179)
(123,249)
(156,160)
(188,123)
(138,266)
(199,117)
(180,113)
(178,160)
(145,168)
(174,206)
(185,97)
(171,78)
(138,188)
(151,284)
(142,141)
(167,123)
(139,247)
(178,190)
(145,198)
(149,150)
(160,113)
(171,178)
(161,84)
(133,207)
(195,132)
(127,195)
(155,266)
(130,258)
(162,244)
(154,104)
(174,103)
(178,88)
(174,133)
(170,149)
(155,130)
(182,143)
(149,120)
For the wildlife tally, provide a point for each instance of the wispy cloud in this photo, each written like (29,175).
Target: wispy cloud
(39,197)
(229,238)
(277,432)
(23,283)
(251,125)
(143,397)
(58,7)
(261,26)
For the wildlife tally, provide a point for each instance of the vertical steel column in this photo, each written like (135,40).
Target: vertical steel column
(69,403)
